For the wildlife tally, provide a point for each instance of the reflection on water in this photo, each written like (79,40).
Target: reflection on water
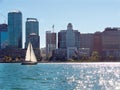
(70,76)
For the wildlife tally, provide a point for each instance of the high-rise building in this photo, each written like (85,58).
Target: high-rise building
(62,39)
(32,26)
(70,36)
(3,35)
(69,39)
(34,39)
(15,29)
(50,42)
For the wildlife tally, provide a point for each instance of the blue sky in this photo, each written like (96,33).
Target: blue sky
(87,16)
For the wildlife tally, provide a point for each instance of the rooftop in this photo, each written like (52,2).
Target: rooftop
(32,20)
(15,11)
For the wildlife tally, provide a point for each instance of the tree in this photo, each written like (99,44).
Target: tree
(95,56)
(84,58)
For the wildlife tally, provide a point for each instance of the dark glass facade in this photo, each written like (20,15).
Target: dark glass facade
(34,39)
(3,35)
(32,27)
(15,29)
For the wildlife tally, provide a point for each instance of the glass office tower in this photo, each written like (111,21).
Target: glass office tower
(15,29)
(32,27)
(3,35)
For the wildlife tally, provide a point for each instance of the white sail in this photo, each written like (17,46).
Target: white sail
(27,57)
(33,57)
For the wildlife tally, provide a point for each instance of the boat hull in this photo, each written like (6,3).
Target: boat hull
(28,63)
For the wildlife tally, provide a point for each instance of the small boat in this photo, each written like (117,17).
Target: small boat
(30,58)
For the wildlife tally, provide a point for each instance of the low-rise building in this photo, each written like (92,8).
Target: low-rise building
(97,42)
(111,42)
(86,41)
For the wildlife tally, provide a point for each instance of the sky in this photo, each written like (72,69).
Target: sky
(87,16)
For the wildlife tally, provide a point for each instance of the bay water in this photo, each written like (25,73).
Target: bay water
(60,76)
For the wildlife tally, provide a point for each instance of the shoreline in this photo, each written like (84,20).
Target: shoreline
(71,62)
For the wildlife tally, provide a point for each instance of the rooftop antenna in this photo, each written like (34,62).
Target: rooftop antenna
(4,17)
(53,27)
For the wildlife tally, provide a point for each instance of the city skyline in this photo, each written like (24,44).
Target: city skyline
(86,16)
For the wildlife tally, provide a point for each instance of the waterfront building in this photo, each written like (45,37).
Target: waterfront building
(50,43)
(84,52)
(32,26)
(97,42)
(69,40)
(43,53)
(86,41)
(3,35)
(59,54)
(77,38)
(34,39)
(70,36)
(111,42)
(62,39)
(15,29)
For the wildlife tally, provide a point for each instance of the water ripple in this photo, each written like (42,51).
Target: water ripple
(70,76)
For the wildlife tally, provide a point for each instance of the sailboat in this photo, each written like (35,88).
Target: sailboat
(30,58)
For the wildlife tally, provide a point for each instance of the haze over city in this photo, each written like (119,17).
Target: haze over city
(86,16)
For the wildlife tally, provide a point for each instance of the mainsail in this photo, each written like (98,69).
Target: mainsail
(30,55)
(27,57)
(33,57)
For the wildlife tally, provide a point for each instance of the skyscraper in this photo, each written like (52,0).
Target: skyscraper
(32,27)
(34,39)
(50,42)
(69,39)
(70,36)
(3,35)
(15,29)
